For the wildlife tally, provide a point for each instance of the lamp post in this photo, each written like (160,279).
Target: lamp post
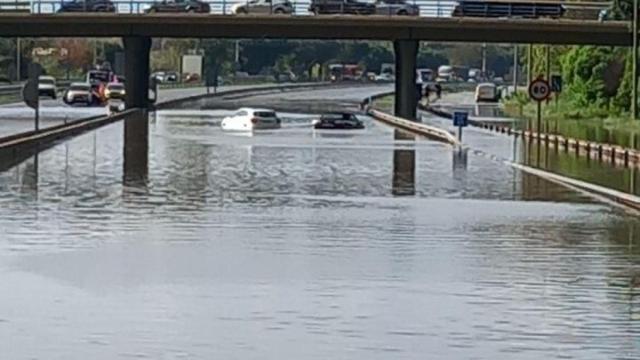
(515,68)
(634,47)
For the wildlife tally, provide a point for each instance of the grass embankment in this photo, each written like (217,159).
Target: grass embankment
(562,117)
(384,103)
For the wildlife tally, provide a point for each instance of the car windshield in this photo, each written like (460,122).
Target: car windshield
(336,117)
(116,87)
(47,81)
(99,76)
(79,87)
(265,114)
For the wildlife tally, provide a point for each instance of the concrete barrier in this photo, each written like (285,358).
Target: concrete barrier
(601,193)
(414,127)
(16,148)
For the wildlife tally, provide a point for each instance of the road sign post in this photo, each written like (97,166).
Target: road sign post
(539,90)
(30,93)
(460,119)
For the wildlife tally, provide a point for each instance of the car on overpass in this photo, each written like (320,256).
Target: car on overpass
(87,6)
(509,9)
(263,7)
(396,7)
(179,6)
(352,7)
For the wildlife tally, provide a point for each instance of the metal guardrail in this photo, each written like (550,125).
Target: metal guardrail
(427,8)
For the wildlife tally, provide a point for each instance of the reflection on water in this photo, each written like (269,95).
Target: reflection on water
(295,244)
(580,167)
(136,149)
(404,166)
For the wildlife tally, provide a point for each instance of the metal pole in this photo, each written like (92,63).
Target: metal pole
(634,91)
(530,63)
(539,119)
(484,60)
(237,52)
(515,68)
(18,58)
(37,118)
(547,53)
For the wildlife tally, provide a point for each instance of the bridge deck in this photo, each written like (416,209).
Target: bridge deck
(562,31)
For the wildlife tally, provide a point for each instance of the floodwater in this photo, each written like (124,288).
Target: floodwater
(295,244)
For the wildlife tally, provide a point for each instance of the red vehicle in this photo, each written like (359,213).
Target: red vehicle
(345,72)
(99,79)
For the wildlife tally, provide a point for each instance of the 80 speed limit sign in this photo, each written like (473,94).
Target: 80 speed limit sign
(539,90)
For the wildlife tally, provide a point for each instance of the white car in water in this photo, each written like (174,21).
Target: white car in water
(249,119)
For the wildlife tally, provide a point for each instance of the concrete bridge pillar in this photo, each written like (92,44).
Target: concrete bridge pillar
(406,95)
(136,71)
(136,126)
(136,149)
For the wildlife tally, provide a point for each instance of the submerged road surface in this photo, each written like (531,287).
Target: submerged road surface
(302,244)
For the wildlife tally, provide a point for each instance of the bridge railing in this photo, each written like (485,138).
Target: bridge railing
(427,8)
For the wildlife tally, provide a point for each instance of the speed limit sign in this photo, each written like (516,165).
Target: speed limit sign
(539,90)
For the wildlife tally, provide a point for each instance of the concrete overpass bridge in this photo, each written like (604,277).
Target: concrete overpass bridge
(138,29)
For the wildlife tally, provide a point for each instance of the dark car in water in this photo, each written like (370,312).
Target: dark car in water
(352,7)
(396,7)
(180,6)
(87,6)
(338,120)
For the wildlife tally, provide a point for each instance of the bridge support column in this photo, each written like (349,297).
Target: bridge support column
(407,94)
(136,126)
(136,149)
(136,71)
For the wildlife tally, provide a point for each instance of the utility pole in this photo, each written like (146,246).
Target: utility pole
(547,54)
(237,52)
(515,68)
(530,63)
(18,58)
(634,91)
(484,60)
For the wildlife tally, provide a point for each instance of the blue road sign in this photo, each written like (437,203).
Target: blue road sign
(556,83)
(460,118)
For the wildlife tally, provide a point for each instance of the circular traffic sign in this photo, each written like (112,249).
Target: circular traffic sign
(539,90)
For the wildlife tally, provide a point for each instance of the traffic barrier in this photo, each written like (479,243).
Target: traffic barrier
(614,154)
(414,127)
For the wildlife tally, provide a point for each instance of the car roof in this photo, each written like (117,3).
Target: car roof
(46,77)
(80,84)
(255,109)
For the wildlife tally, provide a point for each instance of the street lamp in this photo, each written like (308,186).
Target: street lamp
(634,47)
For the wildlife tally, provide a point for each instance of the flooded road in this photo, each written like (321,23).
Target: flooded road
(301,244)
